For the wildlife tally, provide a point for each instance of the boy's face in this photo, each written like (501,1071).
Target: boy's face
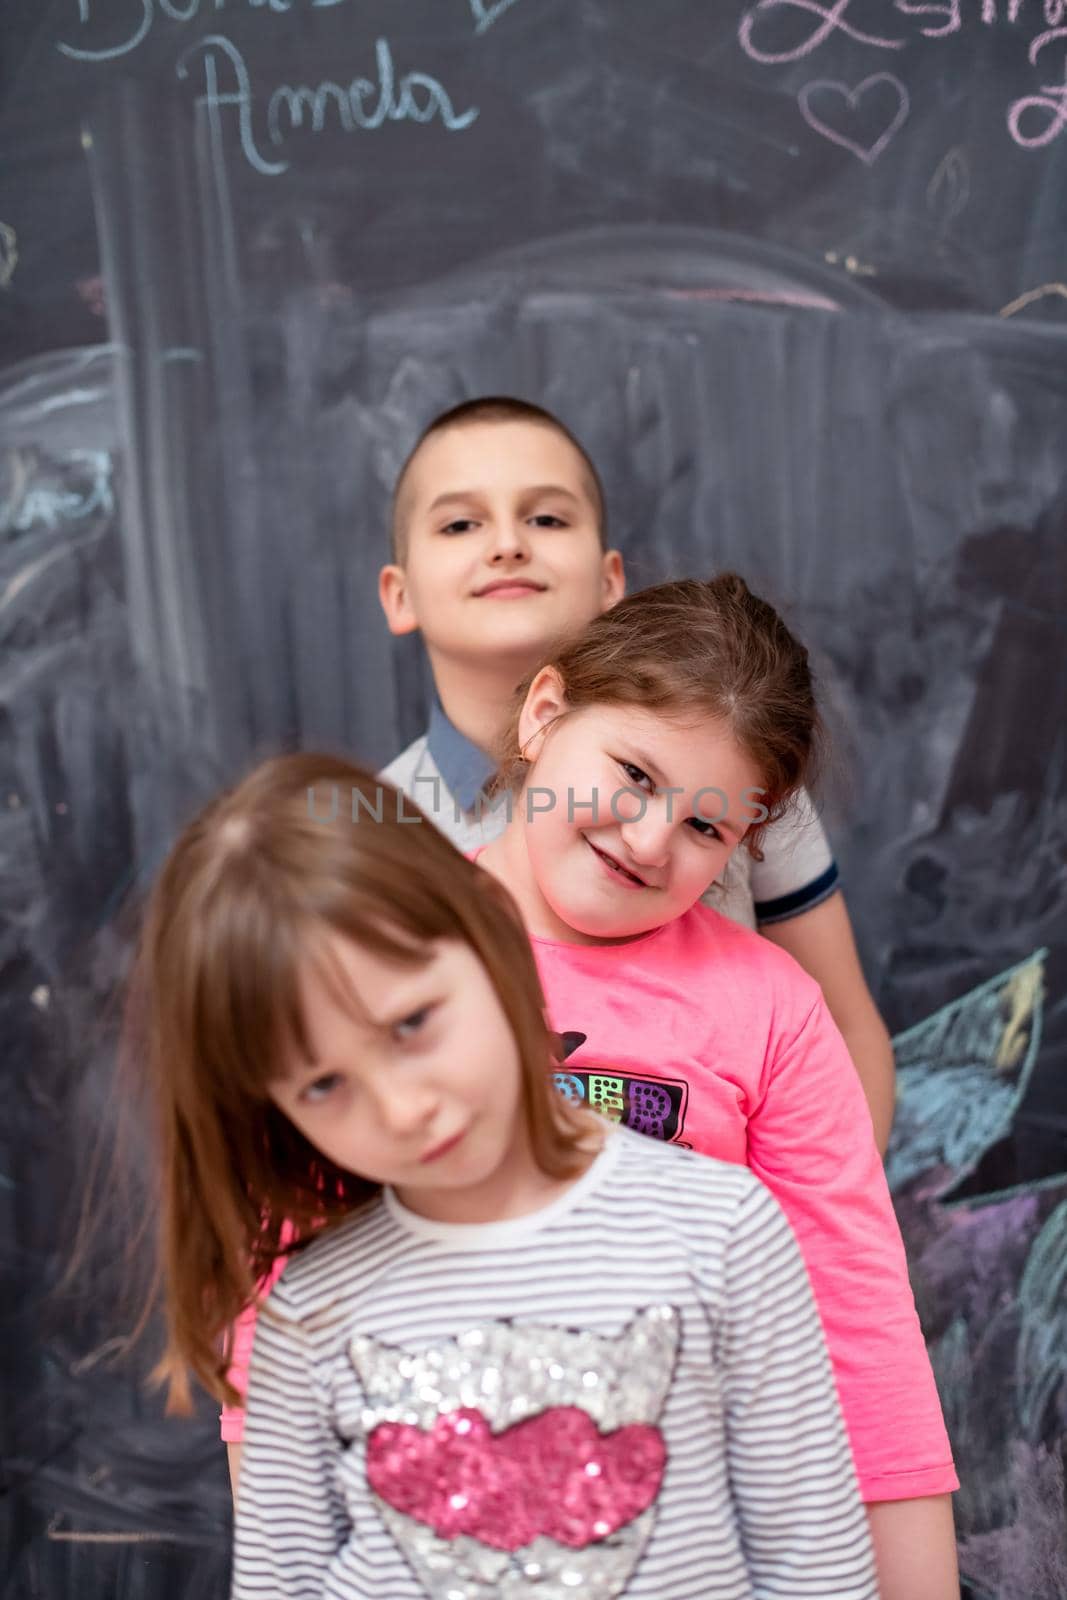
(503,545)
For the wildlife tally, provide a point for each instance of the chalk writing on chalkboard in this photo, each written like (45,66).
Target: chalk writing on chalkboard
(216,66)
(864,116)
(136,28)
(777,32)
(485,15)
(416,97)
(1050,105)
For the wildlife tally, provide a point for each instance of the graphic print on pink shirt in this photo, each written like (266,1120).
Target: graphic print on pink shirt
(646,1103)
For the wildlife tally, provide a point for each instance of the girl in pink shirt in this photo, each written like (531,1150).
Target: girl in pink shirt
(668,734)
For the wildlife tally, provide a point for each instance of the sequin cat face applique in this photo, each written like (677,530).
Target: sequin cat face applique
(517,1460)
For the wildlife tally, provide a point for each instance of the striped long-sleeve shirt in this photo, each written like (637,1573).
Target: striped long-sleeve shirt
(623,1393)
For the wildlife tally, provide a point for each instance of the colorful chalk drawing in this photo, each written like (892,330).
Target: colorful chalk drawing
(1041,1357)
(961,1075)
(990,1276)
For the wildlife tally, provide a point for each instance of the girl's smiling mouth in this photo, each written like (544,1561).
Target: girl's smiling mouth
(620,873)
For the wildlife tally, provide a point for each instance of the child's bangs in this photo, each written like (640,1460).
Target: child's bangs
(252,1011)
(291,1035)
(278,927)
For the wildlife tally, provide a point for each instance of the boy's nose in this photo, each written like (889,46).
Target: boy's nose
(509,541)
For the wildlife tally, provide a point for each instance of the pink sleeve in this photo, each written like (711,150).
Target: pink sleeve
(811,1142)
(244,1330)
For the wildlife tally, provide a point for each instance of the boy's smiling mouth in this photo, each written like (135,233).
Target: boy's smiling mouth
(616,868)
(505,588)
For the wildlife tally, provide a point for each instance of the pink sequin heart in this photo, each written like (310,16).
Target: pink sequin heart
(555,1474)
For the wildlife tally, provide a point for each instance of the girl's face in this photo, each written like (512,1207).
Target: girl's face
(422,1090)
(628,816)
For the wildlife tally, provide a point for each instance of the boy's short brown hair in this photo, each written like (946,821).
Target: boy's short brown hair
(491,408)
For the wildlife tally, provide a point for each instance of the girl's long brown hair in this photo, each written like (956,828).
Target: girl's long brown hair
(707,648)
(305,846)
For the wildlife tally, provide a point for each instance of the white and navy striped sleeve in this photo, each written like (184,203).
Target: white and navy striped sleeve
(291,1521)
(798,871)
(803,1527)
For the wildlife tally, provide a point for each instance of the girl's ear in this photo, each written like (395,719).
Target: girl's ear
(544,704)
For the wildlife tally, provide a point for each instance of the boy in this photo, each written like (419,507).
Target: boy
(499,547)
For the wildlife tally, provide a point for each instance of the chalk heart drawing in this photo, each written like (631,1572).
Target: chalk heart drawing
(838,98)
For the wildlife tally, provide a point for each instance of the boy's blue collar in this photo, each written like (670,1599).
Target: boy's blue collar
(464,768)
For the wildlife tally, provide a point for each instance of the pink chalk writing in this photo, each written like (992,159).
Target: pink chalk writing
(830,19)
(865,119)
(838,103)
(948,11)
(1050,104)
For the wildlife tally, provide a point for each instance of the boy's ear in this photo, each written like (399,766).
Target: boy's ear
(393,596)
(544,704)
(612,579)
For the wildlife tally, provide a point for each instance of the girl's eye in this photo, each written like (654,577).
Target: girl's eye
(321,1088)
(546,519)
(407,1027)
(706,829)
(638,778)
(459,525)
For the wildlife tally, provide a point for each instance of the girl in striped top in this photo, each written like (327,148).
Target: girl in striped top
(514,1351)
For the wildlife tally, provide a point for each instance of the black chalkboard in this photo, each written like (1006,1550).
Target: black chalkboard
(792,270)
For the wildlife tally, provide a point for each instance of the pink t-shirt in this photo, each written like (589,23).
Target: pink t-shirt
(244,1331)
(707,1035)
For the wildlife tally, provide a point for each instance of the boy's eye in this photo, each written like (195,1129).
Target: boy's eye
(638,778)
(459,525)
(320,1088)
(408,1026)
(706,829)
(547,519)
